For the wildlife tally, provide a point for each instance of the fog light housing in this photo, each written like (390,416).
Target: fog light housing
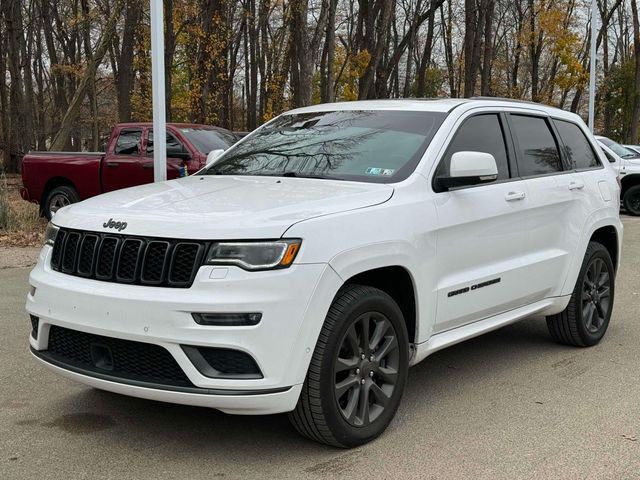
(227,319)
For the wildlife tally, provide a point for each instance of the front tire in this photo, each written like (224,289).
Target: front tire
(57,198)
(585,320)
(358,370)
(631,200)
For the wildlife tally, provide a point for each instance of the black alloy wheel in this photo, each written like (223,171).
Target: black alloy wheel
(366,369)
(357,372)
(586,319)
(596,295)
(631,200)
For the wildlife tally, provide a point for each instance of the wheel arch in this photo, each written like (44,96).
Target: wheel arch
(603,229)
(52,183)
(397,282)
(608,237)
(628,181)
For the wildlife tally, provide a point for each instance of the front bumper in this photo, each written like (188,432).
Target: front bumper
(293,303)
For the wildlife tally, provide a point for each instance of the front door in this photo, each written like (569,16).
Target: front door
(483,233)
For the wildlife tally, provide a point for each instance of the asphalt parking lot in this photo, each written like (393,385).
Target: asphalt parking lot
(509,404)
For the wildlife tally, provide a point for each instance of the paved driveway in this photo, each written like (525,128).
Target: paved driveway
(510,404)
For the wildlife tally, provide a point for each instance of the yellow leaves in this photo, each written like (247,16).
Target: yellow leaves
(355,64)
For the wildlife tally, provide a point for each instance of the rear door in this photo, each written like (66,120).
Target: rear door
(482,235)
(556,218)
(122,165)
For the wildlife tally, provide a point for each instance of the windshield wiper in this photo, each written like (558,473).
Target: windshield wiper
(306,175)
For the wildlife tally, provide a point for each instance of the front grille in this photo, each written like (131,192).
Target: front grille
(138,361)
(127,259)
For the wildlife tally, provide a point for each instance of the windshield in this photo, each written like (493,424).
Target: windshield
(618,149)
(206,140)
(370,146)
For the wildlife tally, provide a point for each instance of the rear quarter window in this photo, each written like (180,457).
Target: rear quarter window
(577,149)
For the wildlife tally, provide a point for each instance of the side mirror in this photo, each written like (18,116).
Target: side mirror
(214,155)
(470,168)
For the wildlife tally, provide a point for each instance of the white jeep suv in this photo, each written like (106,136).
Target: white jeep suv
(626,161)
(311,264)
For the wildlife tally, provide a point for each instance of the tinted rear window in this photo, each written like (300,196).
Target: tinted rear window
(539,153)
(577,148)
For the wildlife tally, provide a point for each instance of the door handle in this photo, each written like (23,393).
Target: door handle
(514,196)
(148,166)
(113,164)
(576,185)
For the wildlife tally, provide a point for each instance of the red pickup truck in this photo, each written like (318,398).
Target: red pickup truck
(56,179)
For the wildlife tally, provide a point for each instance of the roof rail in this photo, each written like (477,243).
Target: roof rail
(504,99)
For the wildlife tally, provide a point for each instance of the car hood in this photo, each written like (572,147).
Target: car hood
(219,207)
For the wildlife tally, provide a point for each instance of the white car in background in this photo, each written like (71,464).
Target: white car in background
(635,148)
(327,252)
(626,160)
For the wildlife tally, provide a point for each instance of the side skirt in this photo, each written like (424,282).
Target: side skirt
(548,306)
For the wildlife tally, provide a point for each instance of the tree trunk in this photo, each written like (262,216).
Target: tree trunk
(485,75)
(635,117)
(90,71)
(126,72)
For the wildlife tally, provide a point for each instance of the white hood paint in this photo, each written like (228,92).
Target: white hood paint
(220,207)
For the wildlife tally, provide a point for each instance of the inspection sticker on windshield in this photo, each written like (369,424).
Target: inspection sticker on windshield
(380,171)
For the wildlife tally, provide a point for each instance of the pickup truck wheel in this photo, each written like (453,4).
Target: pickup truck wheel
(585,320)
(358,370)
(59,197)
(631,200)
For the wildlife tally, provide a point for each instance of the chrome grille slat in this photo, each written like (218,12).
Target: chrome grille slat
(128,259)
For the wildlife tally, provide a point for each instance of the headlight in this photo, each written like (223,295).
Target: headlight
(50,234)
(254,255)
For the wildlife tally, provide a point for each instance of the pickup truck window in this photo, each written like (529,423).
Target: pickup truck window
(173,145)
(128,142)
(539,153)
(368,146)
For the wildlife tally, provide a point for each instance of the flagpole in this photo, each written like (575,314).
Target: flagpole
(157,86)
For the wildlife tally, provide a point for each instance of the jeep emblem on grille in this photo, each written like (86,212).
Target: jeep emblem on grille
(117,225)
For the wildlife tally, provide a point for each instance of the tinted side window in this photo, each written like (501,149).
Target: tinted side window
(481,133)
(173,145)
(128,142)
(577,148)
(539,153)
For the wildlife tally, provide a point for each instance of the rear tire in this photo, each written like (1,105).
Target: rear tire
(57,198)
(348,400)
(585,320)
(631,200)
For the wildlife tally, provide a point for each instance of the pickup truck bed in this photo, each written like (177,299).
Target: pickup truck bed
(56,179)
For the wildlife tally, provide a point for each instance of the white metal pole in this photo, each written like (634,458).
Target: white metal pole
(157,85)
(592,69)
